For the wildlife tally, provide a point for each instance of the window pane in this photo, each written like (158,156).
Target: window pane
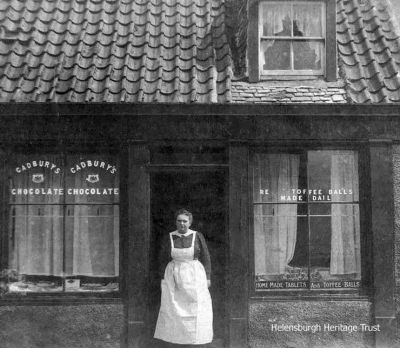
(276,54)
(92,179)
(36,179)
(317,234)
(335,246)
(92,247)
(280,261)
(276,19)
(320,209)
(307,20)
(283,22)
(276,178)
(307,55)
(35,247)
(320,244)
(333,174)
(56,247)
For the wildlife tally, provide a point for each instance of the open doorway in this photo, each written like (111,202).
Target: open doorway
(204,194)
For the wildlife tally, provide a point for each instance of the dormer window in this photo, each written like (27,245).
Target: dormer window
(293,39)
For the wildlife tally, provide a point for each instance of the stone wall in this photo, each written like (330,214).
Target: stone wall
(69,326)
(288,92)
(396,194)
(262,315)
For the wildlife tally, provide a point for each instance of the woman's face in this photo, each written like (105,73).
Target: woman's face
(182,223)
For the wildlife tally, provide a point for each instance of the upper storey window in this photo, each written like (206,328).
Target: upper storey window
(292,39)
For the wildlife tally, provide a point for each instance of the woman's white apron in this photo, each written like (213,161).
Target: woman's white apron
(185,315)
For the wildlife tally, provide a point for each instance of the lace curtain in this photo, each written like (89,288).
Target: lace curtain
(345,238)
(92,230)
(38,245)
(36,222)
(291,20)
(275,225)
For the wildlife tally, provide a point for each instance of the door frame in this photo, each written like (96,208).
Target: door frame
(200,168)
(139,227)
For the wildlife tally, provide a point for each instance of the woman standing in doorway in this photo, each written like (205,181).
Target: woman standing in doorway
(185,315)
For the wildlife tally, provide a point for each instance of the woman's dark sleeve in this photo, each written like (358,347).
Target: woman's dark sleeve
(165,255)
(204,257)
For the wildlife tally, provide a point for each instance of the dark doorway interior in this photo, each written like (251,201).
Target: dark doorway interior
(202,193)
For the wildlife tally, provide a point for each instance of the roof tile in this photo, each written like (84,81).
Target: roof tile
(114,50)
(173,51)
(376,47)
(392,83)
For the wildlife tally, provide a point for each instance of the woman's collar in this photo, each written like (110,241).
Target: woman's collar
(176,233)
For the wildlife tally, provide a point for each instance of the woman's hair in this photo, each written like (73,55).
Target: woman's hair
(184,212)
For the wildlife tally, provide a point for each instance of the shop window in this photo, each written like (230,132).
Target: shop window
(294,38)
(63,226)
(306,220)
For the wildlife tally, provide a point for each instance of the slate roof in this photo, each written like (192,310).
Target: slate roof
(177,51)
(114,50)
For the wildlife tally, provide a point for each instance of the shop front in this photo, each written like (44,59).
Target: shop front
(298,208)
(275,122)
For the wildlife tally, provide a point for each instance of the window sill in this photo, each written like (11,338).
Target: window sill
(290,81)
(306,295)
(295,81)
(277,77)
(22,299)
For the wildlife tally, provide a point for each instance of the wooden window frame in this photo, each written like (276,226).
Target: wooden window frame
(366,289)
(64,297)
(255,70)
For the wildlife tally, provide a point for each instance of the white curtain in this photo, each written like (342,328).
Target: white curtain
(92,233)
(345,239)
(287,20)
(277,19)
(92,225)
(307,20)
(275,224)
(36,223)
